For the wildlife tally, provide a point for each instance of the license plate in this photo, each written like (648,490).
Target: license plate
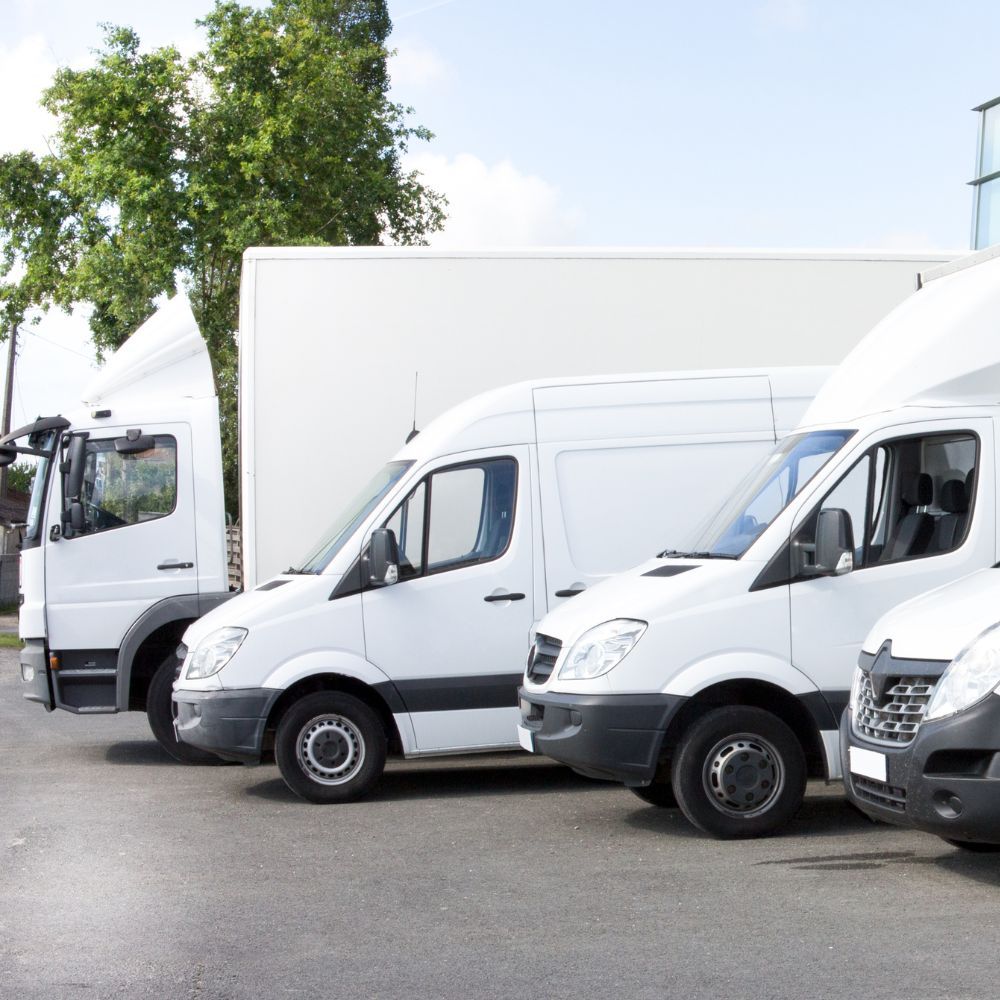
(525,738)
(867,763)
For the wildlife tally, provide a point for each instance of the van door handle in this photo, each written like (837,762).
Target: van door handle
(572,592)
(503,597)
(176,565)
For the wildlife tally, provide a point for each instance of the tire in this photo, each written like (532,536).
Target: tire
(973,846)
(160,714)
(658,793)
(330,747)
(757,802)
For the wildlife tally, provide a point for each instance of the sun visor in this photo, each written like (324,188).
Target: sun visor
(939,346)
(165,356)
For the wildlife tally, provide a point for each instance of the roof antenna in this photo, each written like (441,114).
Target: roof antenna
(414,432)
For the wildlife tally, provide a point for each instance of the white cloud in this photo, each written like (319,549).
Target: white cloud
(25,71)
(494,206)
(416,65)
(792,15)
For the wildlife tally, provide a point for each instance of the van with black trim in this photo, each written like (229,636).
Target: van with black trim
(402,631)
(714,677)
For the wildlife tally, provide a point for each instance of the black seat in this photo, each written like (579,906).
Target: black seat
(915,528)
(950,526)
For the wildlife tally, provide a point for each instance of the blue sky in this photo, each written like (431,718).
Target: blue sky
(765,123)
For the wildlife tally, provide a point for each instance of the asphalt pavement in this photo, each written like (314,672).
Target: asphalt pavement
(123,874)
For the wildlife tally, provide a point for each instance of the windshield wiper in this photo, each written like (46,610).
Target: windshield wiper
(674,554)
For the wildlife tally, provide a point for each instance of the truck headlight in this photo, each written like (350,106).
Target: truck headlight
(970,677)
(214,652)
(601,648)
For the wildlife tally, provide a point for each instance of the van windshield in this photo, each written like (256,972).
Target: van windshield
(352,516)
(765,493)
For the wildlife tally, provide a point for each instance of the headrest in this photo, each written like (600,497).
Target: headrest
(919,491)
(970,482)
(954,499)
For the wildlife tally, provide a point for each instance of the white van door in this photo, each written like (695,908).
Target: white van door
(453,633)
(136,547)
(922,506)
(627,469)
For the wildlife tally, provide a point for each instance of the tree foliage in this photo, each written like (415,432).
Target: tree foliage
(164,170)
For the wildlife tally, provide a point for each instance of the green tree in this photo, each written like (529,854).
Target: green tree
(164,170)
(21,476)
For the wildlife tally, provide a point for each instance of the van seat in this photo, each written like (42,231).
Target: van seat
(915,528)
(950,524)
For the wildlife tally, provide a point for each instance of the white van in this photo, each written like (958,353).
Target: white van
(717,673)
(921,736)
(404,629)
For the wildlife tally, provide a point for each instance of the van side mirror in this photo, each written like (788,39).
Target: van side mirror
(834,542)
(383,558)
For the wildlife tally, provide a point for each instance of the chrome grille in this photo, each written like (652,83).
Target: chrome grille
(896,717)
(542,658)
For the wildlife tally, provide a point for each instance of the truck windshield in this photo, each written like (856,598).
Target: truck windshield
(38,486)
(352,516)
(765,493)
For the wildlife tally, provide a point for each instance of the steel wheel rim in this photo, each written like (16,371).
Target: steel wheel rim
(330,749)
(743,775)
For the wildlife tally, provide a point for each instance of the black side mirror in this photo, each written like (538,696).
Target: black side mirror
(383,558)
(8,456)
(72,520)
(134,441)
(834,542)
(76,461)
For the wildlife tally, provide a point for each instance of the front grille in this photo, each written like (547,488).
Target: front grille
(542,658)
(879,793)
(896,717)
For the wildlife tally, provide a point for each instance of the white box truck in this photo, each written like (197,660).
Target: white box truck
(124,546)
(717,675)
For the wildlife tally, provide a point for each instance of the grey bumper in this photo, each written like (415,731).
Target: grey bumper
(230,724)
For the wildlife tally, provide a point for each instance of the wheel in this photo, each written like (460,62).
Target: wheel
(658,793)
(160,714)
(739,772)
(973,846)
(330,747)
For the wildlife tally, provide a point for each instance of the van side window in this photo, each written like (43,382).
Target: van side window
(456,517)
(125,489)
(907,499)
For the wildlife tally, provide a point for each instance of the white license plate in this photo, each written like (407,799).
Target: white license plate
(867,763)
(525,738)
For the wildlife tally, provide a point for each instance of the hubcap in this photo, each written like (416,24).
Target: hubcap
(743,775)
(330,749)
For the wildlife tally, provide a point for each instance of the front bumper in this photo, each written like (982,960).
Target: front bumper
(946,781)
(615,737)
(230,724)
(34,662)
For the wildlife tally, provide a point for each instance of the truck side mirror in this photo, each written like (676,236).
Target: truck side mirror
(383,558)
(834,542)
(8,455)
(72,519)
(76,461)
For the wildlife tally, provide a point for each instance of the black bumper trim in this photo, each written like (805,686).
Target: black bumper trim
(947,778)
(228,723)
(614,737)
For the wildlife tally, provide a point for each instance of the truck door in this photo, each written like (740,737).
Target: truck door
(922,507)
(453,633)
(135,546)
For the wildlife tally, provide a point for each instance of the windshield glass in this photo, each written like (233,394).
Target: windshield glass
(766,492)
(38,487)
(352,516)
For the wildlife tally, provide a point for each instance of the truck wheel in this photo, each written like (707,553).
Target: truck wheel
(739,772)
(330,747)
(973,846)
(160,714)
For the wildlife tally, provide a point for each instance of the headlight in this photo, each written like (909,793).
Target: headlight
(601,648)
(970,677)
(852,701)
(214,652)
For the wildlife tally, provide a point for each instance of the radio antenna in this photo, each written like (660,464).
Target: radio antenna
(413,433)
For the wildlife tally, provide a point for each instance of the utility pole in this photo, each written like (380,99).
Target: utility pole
(8,399)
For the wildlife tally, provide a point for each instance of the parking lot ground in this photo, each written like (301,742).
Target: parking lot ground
(124,874)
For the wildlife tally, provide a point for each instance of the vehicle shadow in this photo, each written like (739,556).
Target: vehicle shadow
(423,782)
(144,752)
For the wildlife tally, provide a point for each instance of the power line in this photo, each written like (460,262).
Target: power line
(52,343)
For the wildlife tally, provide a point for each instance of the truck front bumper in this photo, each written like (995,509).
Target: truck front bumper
(946,781)
(34,663)
(230,724)
(614,737)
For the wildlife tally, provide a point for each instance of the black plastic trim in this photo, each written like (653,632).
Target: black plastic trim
(669,570)
(230,724)
(454,694)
